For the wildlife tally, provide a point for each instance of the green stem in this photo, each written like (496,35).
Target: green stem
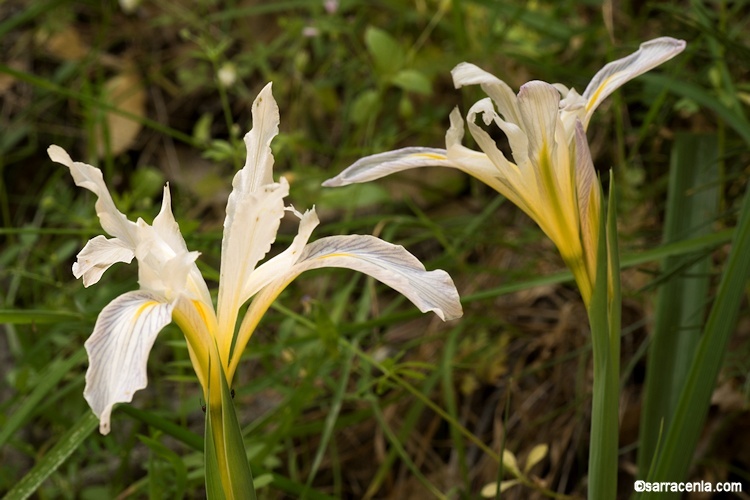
(604,318)
(228,474)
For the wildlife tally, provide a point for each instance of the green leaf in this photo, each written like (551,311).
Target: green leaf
(31,316)
(365,106)
(673,460)
(412,80)
(49,463)
(705,99)
(47,382)
(692,205)
(180,470)
(228,472)
(185,436)
(389,56)
(604,314)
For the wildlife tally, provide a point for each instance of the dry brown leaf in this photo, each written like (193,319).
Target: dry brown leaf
(6,80)
(115,133)
(66,45)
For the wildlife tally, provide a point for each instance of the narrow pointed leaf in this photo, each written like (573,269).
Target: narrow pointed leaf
(237,480)
(55,457)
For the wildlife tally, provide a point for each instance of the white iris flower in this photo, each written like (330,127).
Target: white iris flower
(172,288)
(551,177)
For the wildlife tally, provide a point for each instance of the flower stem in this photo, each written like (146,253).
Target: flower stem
(604,318)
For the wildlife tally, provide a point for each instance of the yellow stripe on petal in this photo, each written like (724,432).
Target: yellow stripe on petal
(430,156)
(594,99)
(118,350)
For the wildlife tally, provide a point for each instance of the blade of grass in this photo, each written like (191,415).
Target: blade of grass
(449,396)
(673,460)
(186,437)
(169,456)
(32,316)
(68,443)
(402,453)
(603,313)
(692,203)
(47,382)
(407,427)
(704,99)
(333,413)
(195,442)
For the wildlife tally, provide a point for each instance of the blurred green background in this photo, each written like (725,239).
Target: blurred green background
(346,390)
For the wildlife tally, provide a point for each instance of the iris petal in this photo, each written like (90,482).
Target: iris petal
(98,255)
(118,350)
(616,73)
(254,211)
(391,264)
(88,177)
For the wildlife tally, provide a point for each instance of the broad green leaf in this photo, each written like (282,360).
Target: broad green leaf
(692,205)
(412,80)
(389,56)
(365,106)
(673,459)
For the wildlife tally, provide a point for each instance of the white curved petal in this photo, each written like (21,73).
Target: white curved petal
(507,178)
(538,103)
(254,211)
(98,255)
(470,74)
(167,229)
(163,272)
(258,169)
(391,264)
(118,350)
(504,97)
(474,163)
(589,198)
(519,143)
(454,136)
(88,177)
(379,165)
(166,226)
(280,264)
(613,75)
(250,228)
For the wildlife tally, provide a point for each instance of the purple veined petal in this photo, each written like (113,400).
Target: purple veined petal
(391,264)
(380,165)
(118,350)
